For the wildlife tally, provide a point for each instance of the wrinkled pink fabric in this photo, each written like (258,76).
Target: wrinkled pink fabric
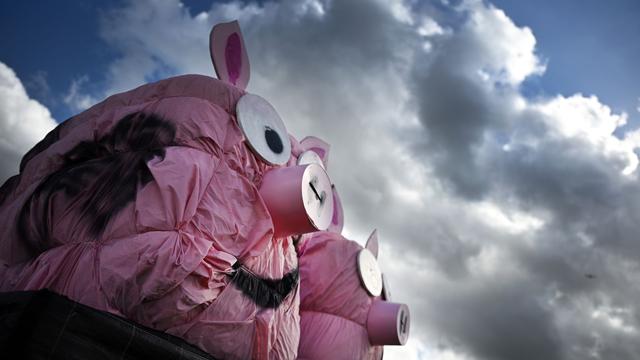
(163,260)
(333,303)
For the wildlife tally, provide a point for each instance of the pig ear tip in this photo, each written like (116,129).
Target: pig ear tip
(228,54)
(372,242)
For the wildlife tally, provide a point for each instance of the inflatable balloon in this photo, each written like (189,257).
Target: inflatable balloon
(176,205)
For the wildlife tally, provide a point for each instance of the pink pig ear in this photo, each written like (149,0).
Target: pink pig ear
(318,146)
(229,54)
(372,243)
(337,221)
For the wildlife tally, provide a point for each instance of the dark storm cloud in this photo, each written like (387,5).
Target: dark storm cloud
(571,179)
(455,114)
(508,322)
(8,166)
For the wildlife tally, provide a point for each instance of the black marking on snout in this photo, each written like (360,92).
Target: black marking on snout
(267,293)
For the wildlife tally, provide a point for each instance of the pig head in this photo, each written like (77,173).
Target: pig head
(345,310)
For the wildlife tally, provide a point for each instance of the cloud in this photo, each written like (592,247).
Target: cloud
(556,159)
(37,84)
(75,99)
(23,122)
(492,207)
(155,41)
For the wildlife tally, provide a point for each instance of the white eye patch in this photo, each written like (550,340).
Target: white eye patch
(369,272)
(263,129)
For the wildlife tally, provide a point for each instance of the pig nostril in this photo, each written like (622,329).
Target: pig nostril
(273,140)
(403,323)
(315,191)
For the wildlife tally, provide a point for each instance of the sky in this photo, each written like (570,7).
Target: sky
(493,144)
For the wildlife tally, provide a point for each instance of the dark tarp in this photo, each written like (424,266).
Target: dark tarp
(45,325)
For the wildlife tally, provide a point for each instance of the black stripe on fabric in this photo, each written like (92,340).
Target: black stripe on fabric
(267,293)
(104,173)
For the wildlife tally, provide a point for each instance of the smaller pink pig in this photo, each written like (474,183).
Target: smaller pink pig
(344,307)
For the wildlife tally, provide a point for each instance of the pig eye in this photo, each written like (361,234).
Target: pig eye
(263,130)
(369,272)
(273,140)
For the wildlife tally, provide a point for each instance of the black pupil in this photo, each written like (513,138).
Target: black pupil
(273,140)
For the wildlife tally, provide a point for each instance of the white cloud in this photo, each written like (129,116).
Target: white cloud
(505,51)
(75,99)
(580,116)
(587,119)
(400,11)
(429,27)
(155,40)
(23,122)
(510,221)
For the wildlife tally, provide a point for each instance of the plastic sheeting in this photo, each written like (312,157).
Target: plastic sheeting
(144,206)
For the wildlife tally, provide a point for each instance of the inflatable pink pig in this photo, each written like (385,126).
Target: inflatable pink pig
(178,205)
(345,312)
(173,205)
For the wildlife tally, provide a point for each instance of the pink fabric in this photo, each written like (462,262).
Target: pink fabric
(233,57)
(333,304)
(163,259)
(319,146)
